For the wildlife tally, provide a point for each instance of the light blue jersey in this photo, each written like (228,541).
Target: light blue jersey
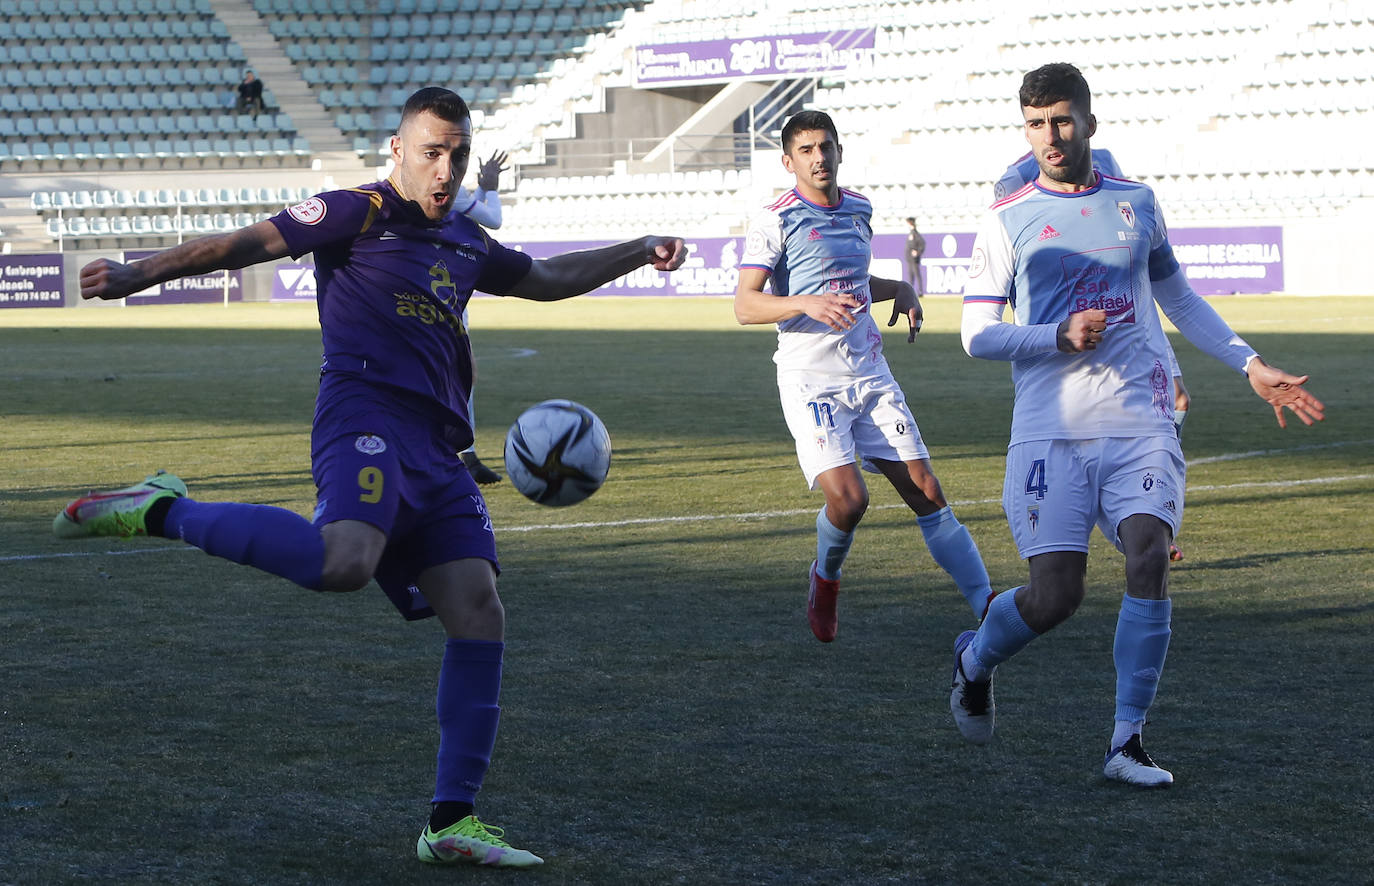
(1048,254)
(808,249)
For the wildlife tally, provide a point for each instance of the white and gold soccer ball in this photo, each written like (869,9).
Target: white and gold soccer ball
(557,453)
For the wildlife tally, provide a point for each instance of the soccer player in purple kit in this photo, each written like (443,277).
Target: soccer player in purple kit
(396,266)
(1082,260)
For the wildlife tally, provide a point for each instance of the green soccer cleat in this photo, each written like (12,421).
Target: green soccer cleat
(119,513)
(472,842)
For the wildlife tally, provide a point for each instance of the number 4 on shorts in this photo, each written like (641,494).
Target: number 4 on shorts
(1035,479)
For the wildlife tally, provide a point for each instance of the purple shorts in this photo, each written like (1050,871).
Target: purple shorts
(375,461)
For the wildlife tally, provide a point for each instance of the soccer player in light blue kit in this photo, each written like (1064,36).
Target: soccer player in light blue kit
(1082,259)
(1024,171)
(838,395)
(396,266)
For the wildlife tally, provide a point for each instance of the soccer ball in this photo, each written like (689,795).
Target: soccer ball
(557,453)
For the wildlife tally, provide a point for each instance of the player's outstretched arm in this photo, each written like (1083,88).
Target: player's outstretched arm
(574,273)
(904,301)
(754,306)
(1283,391)
(252,245)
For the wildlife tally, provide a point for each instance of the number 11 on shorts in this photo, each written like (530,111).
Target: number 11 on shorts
(822,414)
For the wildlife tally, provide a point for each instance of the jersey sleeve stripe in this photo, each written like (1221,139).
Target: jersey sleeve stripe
(1014,195)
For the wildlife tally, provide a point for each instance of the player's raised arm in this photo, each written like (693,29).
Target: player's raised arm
(252,245)
(573,273)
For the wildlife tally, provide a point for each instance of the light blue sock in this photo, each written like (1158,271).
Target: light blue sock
(272,539)
(832,546)
(1142,641)
(953,549)
(1003,633)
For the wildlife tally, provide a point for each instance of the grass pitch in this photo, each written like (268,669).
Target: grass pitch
(667,718)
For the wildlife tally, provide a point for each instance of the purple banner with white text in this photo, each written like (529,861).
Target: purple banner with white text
(31,281)
(200,289)
(1219,261)
(293,283)
(751,58)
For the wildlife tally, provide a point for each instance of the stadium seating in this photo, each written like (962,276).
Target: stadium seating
(1233,109)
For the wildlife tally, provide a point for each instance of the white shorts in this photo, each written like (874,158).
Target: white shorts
(1056,490)
(838,421)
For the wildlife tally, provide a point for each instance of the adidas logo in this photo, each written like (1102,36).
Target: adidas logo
(814,235)
(1049,233)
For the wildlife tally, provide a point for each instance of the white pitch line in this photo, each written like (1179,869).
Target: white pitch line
(1236,456)
(704,518)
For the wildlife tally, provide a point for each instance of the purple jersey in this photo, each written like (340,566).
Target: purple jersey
(392,286)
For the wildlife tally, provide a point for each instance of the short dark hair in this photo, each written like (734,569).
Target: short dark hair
(442,103)
(805,121)
(910,220)
(1056,82)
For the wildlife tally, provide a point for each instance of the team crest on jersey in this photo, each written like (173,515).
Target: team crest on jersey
(979,264)
(309,212)
(370,444)
(1127,213)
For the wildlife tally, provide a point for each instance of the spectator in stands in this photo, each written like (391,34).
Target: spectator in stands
(483,207)
(250,95)
(915,248)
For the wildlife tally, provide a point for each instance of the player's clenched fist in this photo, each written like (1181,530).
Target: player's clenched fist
(667,253)
(107,279)
(1081,331)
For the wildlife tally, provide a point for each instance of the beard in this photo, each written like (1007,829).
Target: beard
(1075,170)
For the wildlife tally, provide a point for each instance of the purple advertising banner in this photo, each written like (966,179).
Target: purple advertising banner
(31,281)
(293,283)
(1221,261)
(1217,261)
(200,289)
(753,58)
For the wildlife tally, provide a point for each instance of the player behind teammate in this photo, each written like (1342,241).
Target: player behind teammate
(396,266)
(838,395)
(484,207)
(1082,259)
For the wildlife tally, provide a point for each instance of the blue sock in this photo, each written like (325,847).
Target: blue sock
(1142,641)
(953,549)
(1003,633)
(469,689)
(272,539)
(832,546)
